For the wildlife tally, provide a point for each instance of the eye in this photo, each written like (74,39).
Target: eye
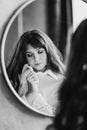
(40,51)
(29,54)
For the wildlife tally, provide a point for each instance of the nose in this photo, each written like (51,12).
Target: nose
(36,57)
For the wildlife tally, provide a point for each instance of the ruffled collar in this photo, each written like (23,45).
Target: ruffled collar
(50,73)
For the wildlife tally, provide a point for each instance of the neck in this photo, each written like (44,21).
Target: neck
(42,70)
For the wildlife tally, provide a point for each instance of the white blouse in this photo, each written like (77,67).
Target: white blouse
(46,100)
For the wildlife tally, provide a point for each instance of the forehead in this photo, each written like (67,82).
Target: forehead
(30,48)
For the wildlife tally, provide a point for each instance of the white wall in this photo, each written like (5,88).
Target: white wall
(79,12)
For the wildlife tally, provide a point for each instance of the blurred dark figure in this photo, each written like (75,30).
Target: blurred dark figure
(72,112)
(73,93)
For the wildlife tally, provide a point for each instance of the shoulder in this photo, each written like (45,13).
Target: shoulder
(59,75)
(55,75)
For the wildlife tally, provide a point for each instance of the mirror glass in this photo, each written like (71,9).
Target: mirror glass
(52,23)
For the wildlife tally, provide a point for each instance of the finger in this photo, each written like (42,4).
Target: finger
(31,73)
(33,81)
(25,68)
(32,78)
(26,73)
(29,67)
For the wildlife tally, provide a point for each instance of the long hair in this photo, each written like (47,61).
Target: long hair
(35,38)
(73,92)
(78,55)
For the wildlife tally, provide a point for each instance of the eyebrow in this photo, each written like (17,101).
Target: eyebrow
(36,49)
(28,52)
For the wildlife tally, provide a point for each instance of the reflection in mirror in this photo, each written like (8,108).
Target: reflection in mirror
(36,70)
(34,67)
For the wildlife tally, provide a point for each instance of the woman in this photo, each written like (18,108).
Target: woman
(36,70)
(73,92)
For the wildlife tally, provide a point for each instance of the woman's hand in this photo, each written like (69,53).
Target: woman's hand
(32,80)
(28,81)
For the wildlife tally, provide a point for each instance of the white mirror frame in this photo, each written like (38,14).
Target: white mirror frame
(3,67)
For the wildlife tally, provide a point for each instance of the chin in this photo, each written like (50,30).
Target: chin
(38,69)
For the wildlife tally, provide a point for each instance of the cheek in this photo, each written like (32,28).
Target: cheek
(44,58)
(29,61)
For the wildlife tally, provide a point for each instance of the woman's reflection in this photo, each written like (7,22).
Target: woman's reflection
(36,71)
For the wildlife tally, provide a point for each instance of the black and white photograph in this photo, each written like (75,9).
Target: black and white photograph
(43,65)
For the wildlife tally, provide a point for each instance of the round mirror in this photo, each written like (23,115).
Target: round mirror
(29,24)
(11,34)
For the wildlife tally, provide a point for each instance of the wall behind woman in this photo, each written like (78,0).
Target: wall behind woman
(34,16)
(79,12)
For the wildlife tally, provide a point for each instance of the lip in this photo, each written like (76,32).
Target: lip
(37,64)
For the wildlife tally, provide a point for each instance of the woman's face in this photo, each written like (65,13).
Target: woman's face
(36,57)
